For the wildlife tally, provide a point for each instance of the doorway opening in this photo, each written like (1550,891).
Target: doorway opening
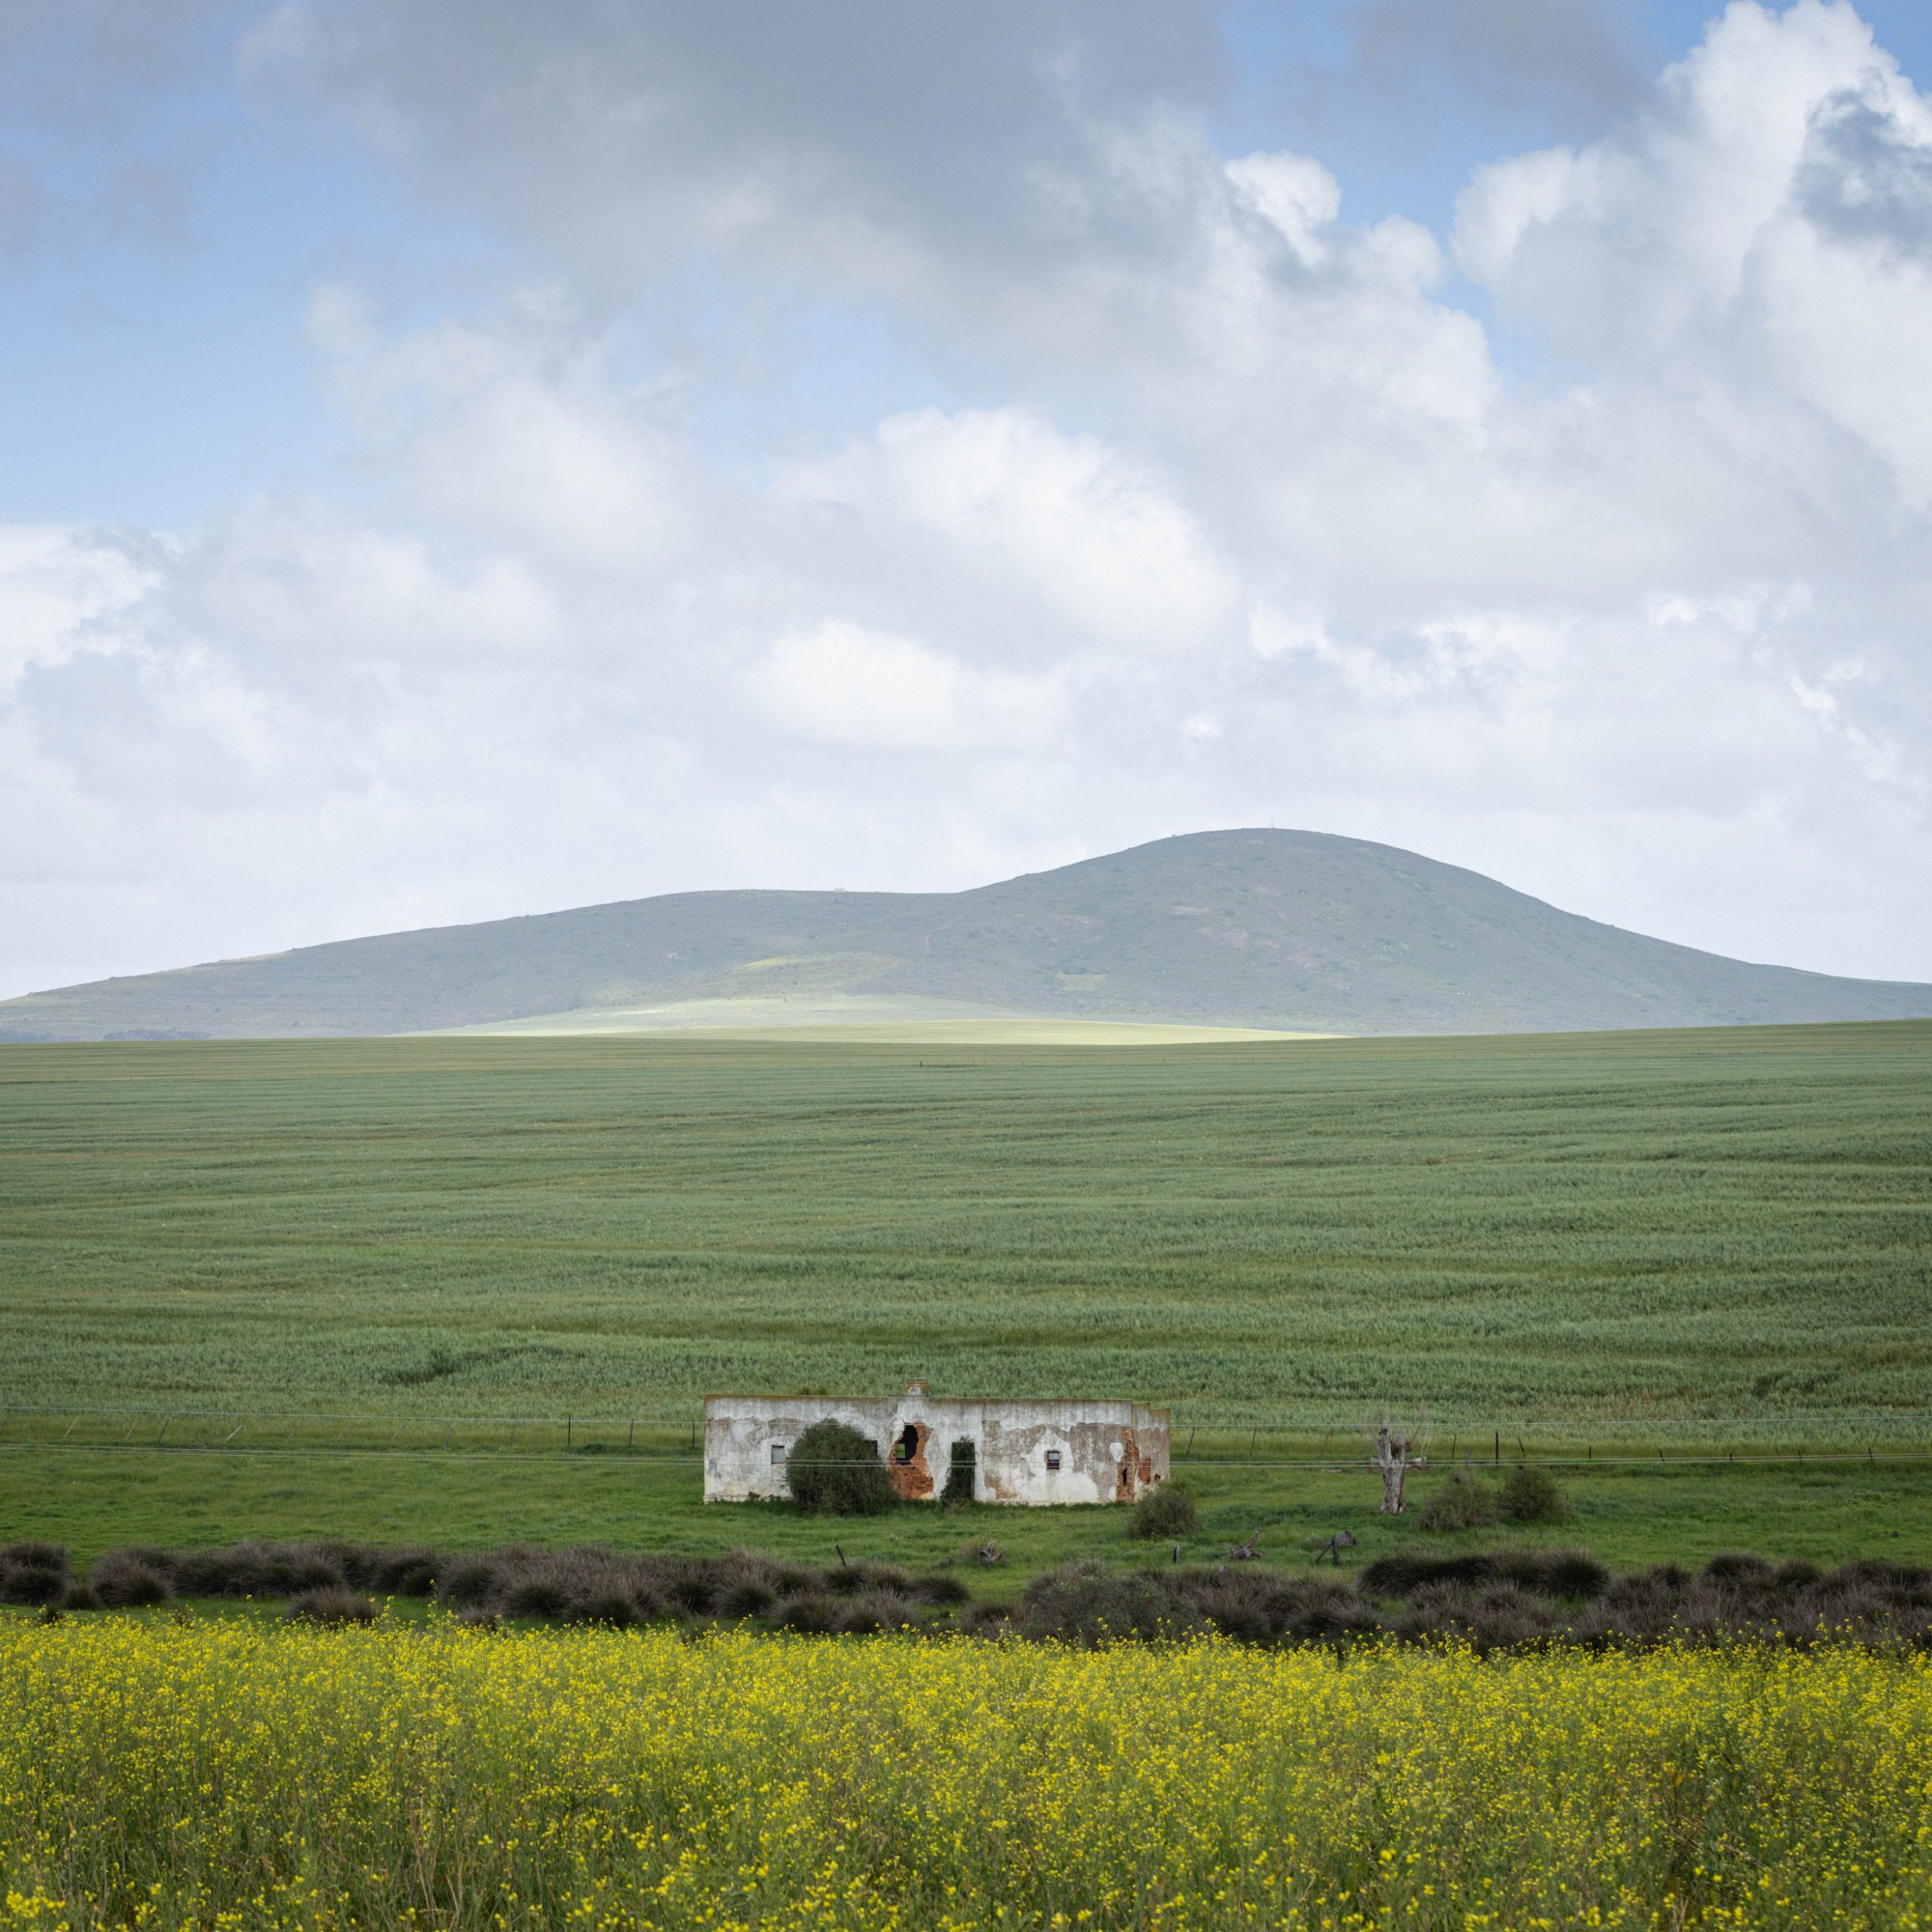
(962,1473)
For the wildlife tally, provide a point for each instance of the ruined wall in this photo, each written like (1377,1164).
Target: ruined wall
(1026,1452)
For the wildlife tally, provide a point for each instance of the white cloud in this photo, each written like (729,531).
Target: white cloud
(514,432)
(313,589)
(1298,197)
(845,685)
(59,587)
(1769,218)
(1094,538)
(1221,508)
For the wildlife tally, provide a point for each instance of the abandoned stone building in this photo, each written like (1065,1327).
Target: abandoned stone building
(998,1452)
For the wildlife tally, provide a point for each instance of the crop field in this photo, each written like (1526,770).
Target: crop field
(1716,1237)
(472,1291)
(255,1775)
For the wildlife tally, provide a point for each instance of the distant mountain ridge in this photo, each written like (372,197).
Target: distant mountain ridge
(1300,931)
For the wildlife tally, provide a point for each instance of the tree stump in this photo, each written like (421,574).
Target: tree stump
(1393,1459)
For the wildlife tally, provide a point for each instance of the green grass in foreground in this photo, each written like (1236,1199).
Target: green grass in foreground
(93,1500)
(1718,1236)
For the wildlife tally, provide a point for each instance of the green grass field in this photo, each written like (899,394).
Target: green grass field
(1629,1513)
(1609,1242)
(1709,1236)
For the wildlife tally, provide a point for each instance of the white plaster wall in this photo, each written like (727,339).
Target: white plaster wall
(1010,1440)
(739,1432)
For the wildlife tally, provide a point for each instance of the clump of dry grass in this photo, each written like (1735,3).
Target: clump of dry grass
(34,1574)
(129,1578)
(333,1607)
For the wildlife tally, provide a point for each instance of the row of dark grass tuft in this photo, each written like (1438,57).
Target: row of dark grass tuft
(1491,1600)
(584,1585)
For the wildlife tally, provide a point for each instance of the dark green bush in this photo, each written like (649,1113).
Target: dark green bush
(1461,1503)
(832,1470)
(1531,1494)
(1166,1511)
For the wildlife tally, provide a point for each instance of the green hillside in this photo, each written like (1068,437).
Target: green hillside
(1290,930)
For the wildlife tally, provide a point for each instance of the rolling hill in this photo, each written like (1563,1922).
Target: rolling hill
(1295,931)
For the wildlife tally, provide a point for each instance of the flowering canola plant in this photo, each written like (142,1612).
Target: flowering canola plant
(243,1775)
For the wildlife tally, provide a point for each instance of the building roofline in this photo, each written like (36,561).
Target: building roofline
(768,1395)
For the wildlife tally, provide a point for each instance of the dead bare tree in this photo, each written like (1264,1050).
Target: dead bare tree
(1245,1552)
(1332,1550)
(1393,1458)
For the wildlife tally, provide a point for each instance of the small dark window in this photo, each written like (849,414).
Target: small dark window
(907,1446)
(1053,1459)
(777,1454)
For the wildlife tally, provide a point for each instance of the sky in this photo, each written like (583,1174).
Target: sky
(461,459)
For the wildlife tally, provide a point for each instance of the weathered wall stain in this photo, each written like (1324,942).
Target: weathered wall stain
(1024,1452)
(1136,1472)
(912,1479)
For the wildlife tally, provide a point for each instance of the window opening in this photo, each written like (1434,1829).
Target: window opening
(1053,1459)
(907,1446)
(777,1454)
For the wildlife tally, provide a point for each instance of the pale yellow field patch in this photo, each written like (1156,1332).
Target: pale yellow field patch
(859,1018)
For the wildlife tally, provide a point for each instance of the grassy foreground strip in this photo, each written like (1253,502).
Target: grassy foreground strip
(248,1775)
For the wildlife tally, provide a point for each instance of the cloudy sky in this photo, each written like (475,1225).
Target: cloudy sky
(465,457)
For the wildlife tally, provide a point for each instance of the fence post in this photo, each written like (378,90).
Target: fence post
(569,1429)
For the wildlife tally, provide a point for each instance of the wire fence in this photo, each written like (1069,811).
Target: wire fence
(1892,1439)
(309,1433)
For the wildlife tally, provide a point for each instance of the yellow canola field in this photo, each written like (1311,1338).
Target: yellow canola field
(247,1775)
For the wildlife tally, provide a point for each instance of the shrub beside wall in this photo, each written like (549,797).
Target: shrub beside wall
(832,1470)
(1164,1512)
